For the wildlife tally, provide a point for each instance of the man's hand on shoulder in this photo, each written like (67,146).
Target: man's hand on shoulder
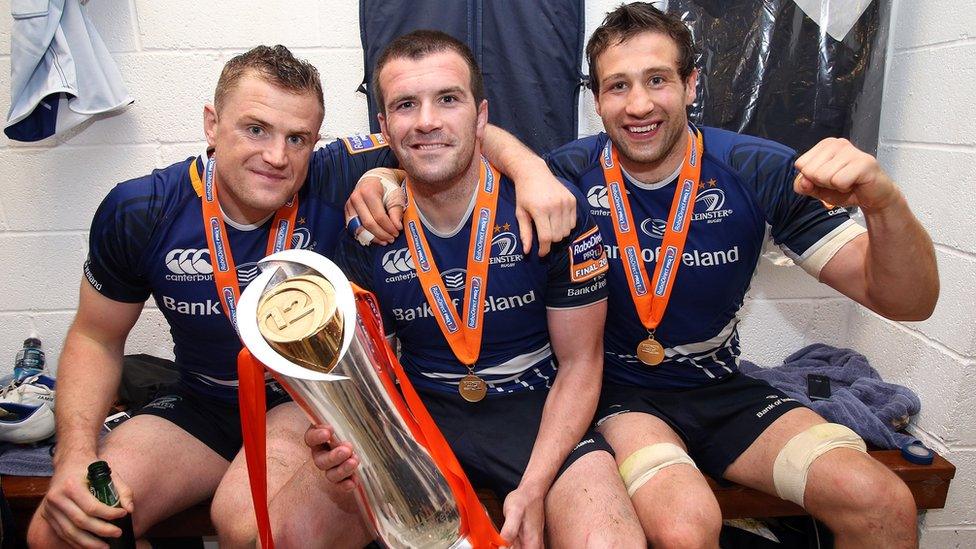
(376,205)
(542,200)
(840,174)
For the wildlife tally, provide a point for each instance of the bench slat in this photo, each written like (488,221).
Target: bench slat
(928,483)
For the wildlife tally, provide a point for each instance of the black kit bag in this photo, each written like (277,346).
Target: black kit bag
(529,53)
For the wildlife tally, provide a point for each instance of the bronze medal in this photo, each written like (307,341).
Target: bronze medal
(652,294)
(472,388)
(650,352)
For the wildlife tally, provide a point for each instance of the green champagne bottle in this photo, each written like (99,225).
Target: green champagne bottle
(101,486)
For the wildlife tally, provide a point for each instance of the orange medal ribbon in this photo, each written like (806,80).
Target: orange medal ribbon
(224,270)
(652,301)
(251,379)
(463,336)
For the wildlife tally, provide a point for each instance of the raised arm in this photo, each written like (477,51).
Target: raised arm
(891,269)
(576,335)
(88,377)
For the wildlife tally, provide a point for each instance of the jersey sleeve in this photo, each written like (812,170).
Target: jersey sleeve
(355,260)
(118,238)
(809,231)
(336,168)
(578,264)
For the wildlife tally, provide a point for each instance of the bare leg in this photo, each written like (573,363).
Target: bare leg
(862,501)
(166,468)
(310,512)
(232,511)
(676,507)
(588,506)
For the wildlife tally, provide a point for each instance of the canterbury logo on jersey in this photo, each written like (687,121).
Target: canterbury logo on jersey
(193,265)
(189,261)
(398,261)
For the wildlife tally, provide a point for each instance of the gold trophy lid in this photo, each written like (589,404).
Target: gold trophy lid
(298,308)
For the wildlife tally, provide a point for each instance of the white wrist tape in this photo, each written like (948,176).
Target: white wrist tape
(794,460)
(390,179)
(643,464)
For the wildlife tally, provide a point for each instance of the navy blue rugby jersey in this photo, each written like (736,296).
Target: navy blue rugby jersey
(746,192)
(147,239)
(515,351)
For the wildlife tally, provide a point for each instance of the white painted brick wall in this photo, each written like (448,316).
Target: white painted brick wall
(170,54)
(928,146)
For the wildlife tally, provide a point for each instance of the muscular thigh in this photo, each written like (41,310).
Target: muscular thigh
(286,452)
(588,499)
(676,491)
(166,468)
(754,467)
(632,431)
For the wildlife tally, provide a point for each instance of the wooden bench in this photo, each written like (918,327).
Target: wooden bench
(928,483)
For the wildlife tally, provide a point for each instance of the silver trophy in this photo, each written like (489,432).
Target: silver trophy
(299,319)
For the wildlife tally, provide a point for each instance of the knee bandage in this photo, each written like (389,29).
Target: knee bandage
(643,464)
(794,460)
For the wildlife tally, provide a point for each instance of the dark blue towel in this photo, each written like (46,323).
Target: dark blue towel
(859,398)
(33,460)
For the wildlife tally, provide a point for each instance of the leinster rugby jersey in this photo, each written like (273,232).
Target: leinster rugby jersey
(745,193)
(515,352)
(147,238)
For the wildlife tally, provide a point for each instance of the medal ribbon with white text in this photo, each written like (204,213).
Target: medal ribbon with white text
(652,301)
(224,270)
(463,336)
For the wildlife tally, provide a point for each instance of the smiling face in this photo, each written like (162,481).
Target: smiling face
(642,100)
(263,139)
(432,120)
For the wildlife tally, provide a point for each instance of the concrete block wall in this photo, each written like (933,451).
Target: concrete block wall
(928,144)
(170,54)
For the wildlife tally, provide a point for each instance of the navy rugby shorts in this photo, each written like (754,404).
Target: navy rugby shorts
(493,439)
(214,422)
(717,422)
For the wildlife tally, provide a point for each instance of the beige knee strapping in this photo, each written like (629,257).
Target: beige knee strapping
(643,464)
(794,460)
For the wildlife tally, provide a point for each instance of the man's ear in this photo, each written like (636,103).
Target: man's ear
(381,118)
(210,124)
(482,118)
(691,87)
